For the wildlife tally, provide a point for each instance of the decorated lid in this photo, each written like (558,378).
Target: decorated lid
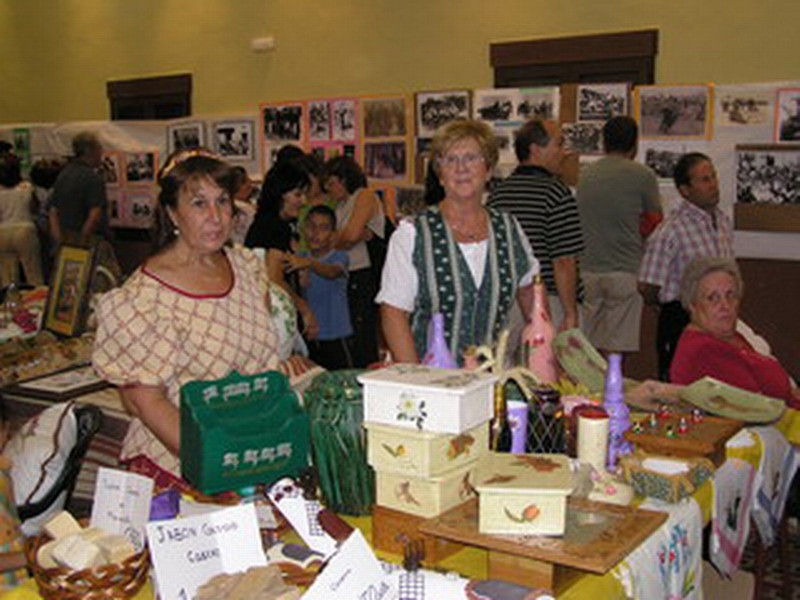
(410,376)
(524,473)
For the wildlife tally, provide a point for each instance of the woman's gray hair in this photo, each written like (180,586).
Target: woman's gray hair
(698,268)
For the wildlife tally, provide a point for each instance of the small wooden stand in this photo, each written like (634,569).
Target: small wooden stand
(390,527)
(597,537)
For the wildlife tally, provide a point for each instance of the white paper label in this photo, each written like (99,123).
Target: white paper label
(122,504)
(188,552)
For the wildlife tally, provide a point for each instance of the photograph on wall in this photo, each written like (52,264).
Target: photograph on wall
(110,169)
(743,106)
(282,123)
(140,208)
(386,161)
(319,120)
(184,136)
(504,136)
(768,174)
(140,167)
(494,104)
(584,137)
(787,115)
(602,101)
(343,120)
(663,155)
(384,117)
(116,208)
(540,103)
(434,109)
(674,111)
(234,139)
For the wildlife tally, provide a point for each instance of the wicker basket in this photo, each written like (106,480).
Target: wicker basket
(108,582)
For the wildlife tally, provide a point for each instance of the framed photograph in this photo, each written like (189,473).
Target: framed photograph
(384,117)
(541,102)
(110,169)
(116,207)
(140,208)
(182,136)
(140,167)
(787,115)
(665,112)
(743,107)
(234,139)
(434,109)
(585,137)
(343,119)
(602,101)
(282,122)
(495,104)
(67,300)
(61,385)
(386,161)
(319,120)
(767,195)
(662,155)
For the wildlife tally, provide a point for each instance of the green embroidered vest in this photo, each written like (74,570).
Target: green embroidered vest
(473,315)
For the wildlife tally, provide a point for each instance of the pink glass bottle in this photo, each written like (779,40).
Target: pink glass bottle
(538,336)
(438,354)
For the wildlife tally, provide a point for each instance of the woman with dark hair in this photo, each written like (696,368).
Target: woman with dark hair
(19,241)
(360,216)
(196,310)
(274,228)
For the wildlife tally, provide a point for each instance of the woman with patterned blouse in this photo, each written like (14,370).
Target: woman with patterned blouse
(196,310)
(459,258)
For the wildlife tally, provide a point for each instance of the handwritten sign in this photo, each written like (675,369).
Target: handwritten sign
(122,504)
(188,552)
(353,573)
(302,514)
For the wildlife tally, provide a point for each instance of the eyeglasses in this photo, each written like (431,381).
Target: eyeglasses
(453,161)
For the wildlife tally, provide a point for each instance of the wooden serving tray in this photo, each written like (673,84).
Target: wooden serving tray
(597,537)
(706,439)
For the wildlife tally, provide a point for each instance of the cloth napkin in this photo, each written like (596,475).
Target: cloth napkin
(730,514)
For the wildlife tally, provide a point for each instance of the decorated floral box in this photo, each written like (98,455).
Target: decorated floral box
(422,453)
(523,493)
(425,496)
(428,399)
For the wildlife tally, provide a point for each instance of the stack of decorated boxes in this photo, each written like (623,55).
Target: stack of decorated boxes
(427,430)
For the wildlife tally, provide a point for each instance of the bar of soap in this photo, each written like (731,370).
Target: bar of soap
(62,525)
(45,555)
(73,552)
(115,548)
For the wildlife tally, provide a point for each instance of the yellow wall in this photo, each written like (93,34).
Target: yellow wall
(57,55)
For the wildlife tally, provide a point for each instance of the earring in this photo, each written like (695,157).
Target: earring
(176,232)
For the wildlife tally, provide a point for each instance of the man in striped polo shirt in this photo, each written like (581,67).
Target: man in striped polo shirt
(548,214)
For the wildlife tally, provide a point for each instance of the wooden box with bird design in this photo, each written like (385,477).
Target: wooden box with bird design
(523,493)
(423,398)
(422,453)
(425,496)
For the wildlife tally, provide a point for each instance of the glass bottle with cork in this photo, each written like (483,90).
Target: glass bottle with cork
(500,430)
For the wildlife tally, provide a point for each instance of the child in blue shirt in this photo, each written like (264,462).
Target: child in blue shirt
(323,279)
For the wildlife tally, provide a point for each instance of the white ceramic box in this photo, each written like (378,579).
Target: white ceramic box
(423,453)
(428,399)
(523,493)
(425,496)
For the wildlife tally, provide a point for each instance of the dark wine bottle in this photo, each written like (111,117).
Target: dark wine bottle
(500,433)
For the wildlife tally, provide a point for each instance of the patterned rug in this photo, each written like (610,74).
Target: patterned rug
(773,579)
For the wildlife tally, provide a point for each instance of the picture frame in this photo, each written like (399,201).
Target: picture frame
(285,122)
(493,105)
(767,198)
(602,101)
(60,386)
(670,112)
(434,109)
(68,297)
(186,135)
(583,137)
(538,102)
(110,169)
(140,167)
(386,161)
(743,106)
(787,115)
(384,116)
(233,140)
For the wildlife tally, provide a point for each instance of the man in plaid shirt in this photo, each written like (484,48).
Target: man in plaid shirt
(696,228)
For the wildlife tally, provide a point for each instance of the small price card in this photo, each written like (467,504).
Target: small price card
(188,552)
(353,573)
(122,504)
